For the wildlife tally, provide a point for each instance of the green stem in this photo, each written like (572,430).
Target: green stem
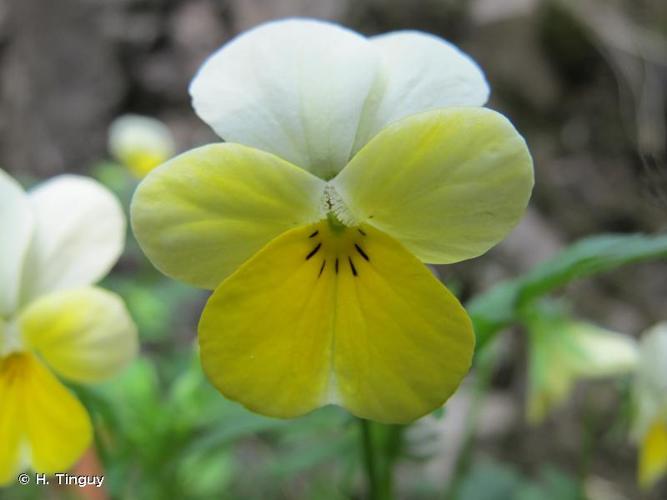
(370,460)
(486,363)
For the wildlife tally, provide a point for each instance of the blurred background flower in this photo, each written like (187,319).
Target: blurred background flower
(563,350)
(140,143)
(58,240)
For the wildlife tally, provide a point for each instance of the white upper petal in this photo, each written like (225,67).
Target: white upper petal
(314,93)
(15,231)
(419,72)
(79,235)
(295,88)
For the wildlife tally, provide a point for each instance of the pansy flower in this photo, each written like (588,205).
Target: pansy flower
(563,351)
(650,393)
(140,143)
(56,241)
(349,163)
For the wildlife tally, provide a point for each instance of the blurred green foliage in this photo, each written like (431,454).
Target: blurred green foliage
(489,480)
(501,306)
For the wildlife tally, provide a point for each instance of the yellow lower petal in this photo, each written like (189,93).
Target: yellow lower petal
(39,414)
(329,314)
(403,342)
(266,333)
(653,455)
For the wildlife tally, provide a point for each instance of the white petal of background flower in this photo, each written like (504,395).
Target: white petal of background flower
(79,235)
(653,353)
(419,72)
(295,88)
(650,389)
(15,231)
(603,352)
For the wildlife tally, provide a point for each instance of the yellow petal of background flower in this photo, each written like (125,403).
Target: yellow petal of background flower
(448,184)
(335,315)
(16,224)
(202,214)
(10,422)
(79,235)
(653,454)
(86,335)
(51,423)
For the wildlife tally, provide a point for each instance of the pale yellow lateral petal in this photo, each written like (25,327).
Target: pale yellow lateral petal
(403,342)
(653,455)
(53,425)
(201,215)
(327,314)
(448,184)
(86,334)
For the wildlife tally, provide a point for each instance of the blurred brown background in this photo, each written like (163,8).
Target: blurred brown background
(584,81)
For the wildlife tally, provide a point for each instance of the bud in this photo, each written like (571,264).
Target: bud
(140,143)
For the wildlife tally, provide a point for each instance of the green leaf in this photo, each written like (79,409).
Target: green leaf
(497,308)
(589,257)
